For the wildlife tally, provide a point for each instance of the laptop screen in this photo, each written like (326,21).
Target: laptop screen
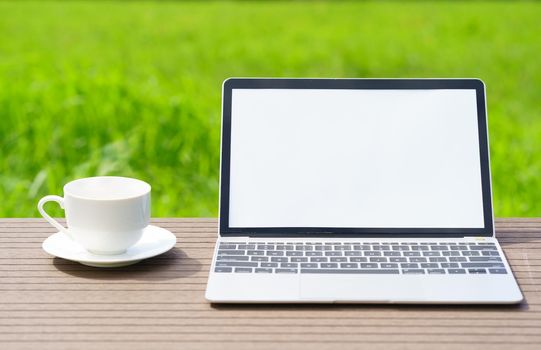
(355,158)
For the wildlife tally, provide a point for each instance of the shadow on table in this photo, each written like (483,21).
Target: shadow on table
(523,306)
(173,264)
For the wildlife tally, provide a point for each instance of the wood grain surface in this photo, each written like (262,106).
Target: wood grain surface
(48,303)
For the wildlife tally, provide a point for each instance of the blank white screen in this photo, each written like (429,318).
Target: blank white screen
(355,158)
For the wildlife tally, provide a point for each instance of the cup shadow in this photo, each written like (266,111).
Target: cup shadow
(172,264)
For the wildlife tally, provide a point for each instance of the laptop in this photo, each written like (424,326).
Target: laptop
(357,191)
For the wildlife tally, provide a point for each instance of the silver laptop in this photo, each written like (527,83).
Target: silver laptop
(357,190)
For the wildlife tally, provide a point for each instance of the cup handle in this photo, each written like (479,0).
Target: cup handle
(52,221)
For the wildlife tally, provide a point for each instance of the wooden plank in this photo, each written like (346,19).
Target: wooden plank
(239,345)
(301,332)
(299,336)
(201,310)
(139,320)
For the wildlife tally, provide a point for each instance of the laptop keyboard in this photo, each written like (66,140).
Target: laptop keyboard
(359,258)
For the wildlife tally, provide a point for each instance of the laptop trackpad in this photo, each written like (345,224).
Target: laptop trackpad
(342,287)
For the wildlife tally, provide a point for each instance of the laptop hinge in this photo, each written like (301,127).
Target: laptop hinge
(479,238)
(235,237)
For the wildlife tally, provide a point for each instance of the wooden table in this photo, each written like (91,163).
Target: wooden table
(51,303)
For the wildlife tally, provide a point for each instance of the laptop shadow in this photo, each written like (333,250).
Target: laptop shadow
(523,306)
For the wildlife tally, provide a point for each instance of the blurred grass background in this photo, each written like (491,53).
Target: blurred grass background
(133,88)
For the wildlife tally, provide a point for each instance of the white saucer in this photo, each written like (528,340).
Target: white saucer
(155,241)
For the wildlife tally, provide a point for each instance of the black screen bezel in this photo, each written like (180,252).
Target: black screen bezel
(381,84)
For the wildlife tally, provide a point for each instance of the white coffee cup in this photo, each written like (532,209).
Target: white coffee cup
(105,214)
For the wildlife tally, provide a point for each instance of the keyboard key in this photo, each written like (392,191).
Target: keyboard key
(286,270)
(235,264)
(457,259)
(392,254)
(275,253)
(413,271)
(279,259)
(369,266)
(438,259)
(353,253)
(338,259)
(348,265)
(400,247)
(334,253)
(417,260)
(485,258)
(456,271)
(357,259)
(228,246)
(372,253)
(430,266)
(458,247)
(436,271)
(318,259)
(246,246)
(223,269)
(255,252)
(243,269)
(488,264)
(483,247)
(439,247)
(298,259)
(294,253)
(431,254)
(389,266)
(411,253)
(272,264)
(265,247)
(378,259)
(260,258)
(233,257)
(289,265)
(362,247)
(353,271)
(450,265)
(409,266)
(395,259)
(498,271)
(260,270)
(231,252)
(313,253)
(309,265)
(476,271)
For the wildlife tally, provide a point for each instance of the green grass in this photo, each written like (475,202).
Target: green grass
(133,88)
